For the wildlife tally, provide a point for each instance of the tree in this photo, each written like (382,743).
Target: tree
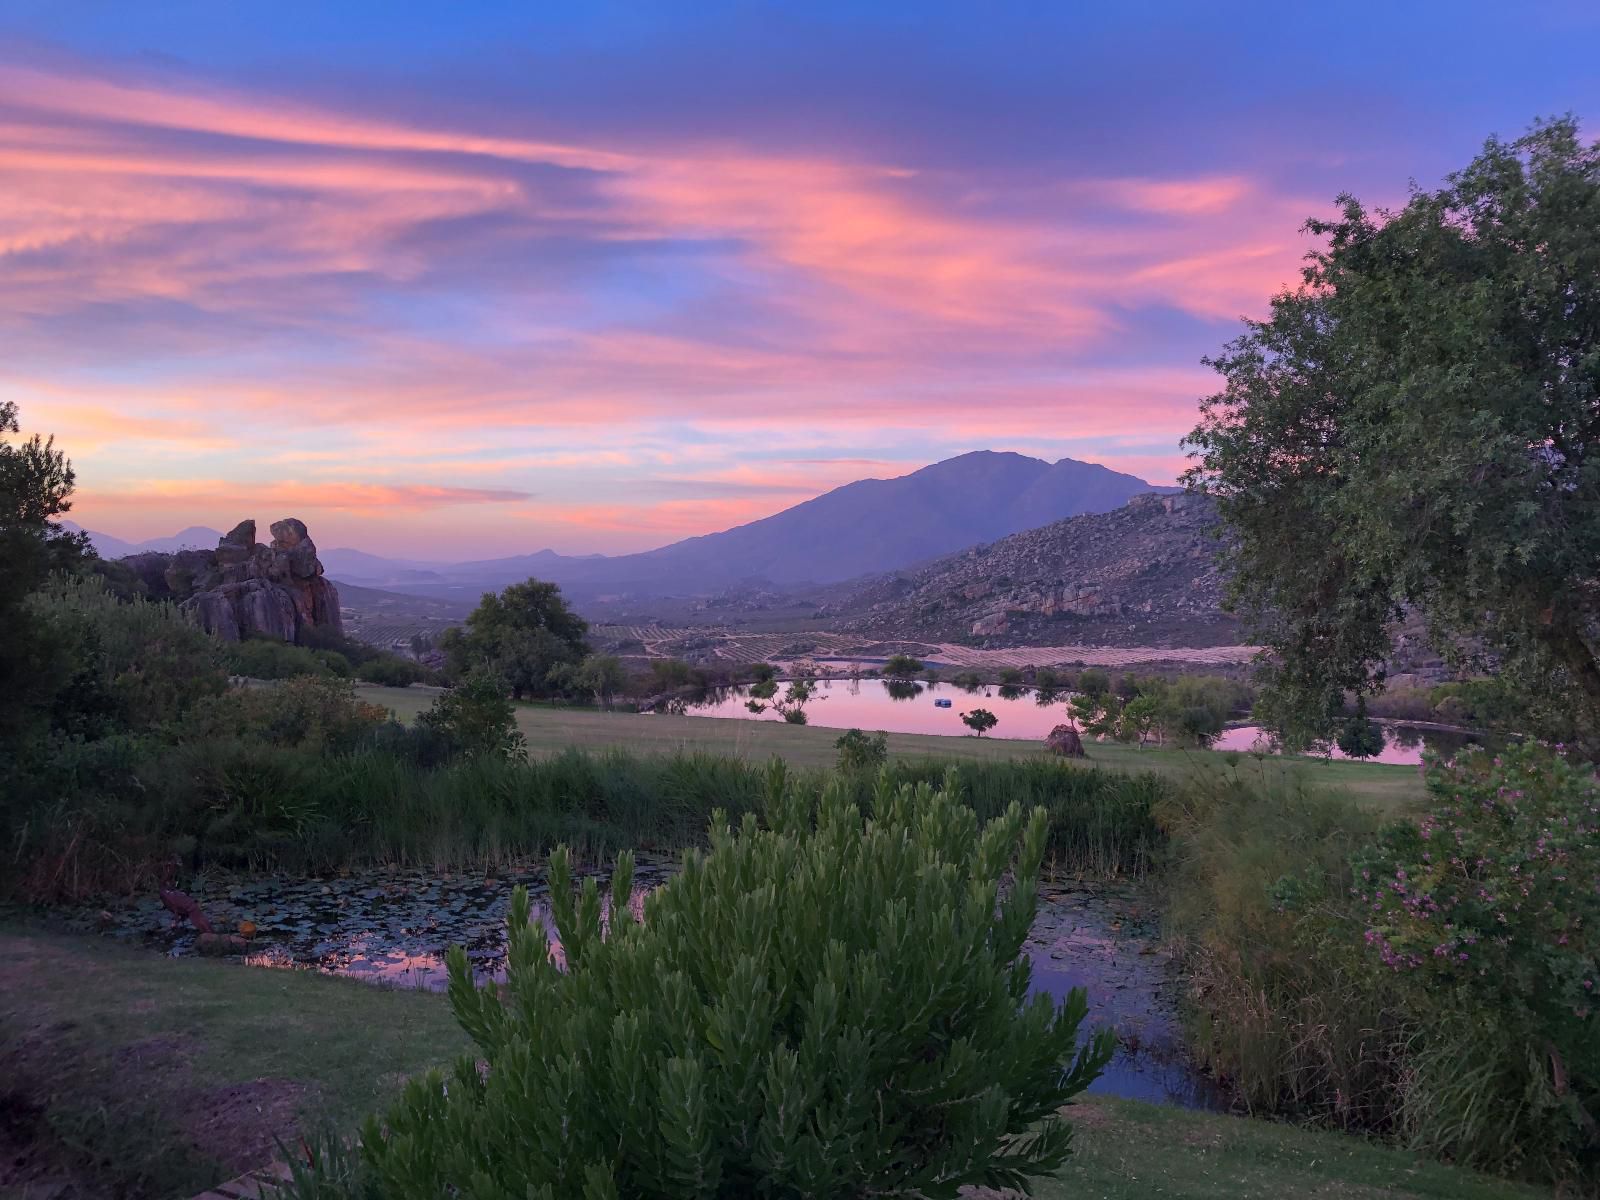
(36,483)
(602,676)
(476,717)
(1194,709)
(1360,737)
(519,634)
(901,666)
(1416,427)
(1094,682)
(979,720)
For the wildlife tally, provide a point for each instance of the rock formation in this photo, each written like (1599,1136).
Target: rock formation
(243,587)
(1064,740)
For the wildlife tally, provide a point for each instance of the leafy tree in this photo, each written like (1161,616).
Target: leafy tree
(901,666)
(668,674)
(1139,717)
(1010,677)
(968,681)
(763,671)
(519,634)
(859,751)
(979,720)
(1046,679)
(883,1045)
(36,483)
(1416,428)
(601,676)
(476,716)
(1360,737)
(1093,682)
(1194,709)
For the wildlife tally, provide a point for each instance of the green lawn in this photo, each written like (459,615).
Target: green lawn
(552,729)
(154,1077)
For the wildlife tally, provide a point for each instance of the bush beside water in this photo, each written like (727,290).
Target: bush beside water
(819,1007)
(1432,979)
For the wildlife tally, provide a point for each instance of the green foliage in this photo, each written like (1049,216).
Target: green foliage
(521,634)
(476,716)
(860,751)
(883,1043)
(390,670)
(1361,738)
(901,666)
(669,674)
(36,483)
(1093,682)
(1487,915)
(1193,709)
(1046,679)
(763,671)
(1414,428)
(1433,979)
(979,720)
(1010,677)
(967,681)
(269,658)
(119,667)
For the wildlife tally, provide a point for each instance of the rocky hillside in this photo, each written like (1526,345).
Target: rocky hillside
(1143,574)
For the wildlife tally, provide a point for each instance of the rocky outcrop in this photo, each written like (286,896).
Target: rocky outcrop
(1064,740)
(245,588)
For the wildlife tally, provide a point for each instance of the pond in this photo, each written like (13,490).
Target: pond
(394,926)
(1023,713)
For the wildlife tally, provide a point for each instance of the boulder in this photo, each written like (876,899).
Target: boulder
(1064,740)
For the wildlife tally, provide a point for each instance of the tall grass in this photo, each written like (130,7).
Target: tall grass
(237,803)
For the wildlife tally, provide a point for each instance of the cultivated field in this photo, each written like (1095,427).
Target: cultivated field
(551,729)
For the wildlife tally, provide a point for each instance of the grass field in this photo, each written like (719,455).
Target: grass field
(129,1075)
(551,729)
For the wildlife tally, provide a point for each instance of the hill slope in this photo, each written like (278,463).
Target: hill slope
(1143,574)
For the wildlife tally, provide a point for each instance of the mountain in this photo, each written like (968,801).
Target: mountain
(195,537)
(1143,574)
(866,527)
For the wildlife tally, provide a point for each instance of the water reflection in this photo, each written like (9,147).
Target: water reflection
(394,927)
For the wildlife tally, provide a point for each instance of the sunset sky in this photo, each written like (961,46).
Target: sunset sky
(483,279)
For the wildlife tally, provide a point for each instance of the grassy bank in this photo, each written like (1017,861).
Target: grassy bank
(140,1076)
(550,730)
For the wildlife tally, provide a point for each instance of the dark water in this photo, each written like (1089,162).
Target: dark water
(394,926)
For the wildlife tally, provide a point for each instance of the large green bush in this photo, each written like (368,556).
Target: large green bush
(833,1011)
(1486,918)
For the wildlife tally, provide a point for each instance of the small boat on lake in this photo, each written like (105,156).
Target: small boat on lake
(941,704)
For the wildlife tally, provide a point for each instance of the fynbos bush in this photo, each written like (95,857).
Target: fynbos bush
(837,1010)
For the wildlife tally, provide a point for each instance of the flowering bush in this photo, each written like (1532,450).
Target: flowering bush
(1486,913)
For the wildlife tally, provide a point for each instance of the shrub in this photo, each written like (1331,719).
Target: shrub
(1361,738)
(860,751)
(1486,914)
(967,681)
(389,670)
(476,716)
(1093,682)
(901,666)
(1010,677)
(839,1012)
(269,658)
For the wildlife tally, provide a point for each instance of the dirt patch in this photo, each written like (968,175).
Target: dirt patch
(240,1124)
(32,1160)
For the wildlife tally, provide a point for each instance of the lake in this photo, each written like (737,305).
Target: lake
(393,927)
(874,704)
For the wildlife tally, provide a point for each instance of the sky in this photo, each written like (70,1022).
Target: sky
(463,280)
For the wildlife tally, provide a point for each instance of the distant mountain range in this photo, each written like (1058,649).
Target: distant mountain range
(867,527)
(196,537)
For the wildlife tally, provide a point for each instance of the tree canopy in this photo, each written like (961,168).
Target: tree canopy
(520,634)
(1416,428)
